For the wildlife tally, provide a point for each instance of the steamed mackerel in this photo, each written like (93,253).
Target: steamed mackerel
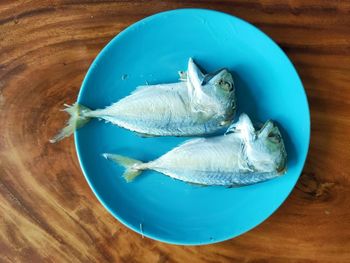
(242,156)
(197,105)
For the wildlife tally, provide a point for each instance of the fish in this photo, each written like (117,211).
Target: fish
(242,156)
(198,104)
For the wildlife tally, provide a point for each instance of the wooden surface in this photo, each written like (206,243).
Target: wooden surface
(47,211)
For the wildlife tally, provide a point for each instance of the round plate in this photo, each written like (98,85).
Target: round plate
(152,51)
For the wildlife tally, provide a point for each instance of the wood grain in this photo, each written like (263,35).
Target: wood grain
(48,212)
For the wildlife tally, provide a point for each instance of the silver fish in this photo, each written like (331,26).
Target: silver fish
(199,104)
(242,156)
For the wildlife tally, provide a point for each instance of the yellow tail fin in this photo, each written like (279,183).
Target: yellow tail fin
(131,172)
(76,121)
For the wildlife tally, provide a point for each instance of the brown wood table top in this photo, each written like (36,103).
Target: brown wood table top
(48,212)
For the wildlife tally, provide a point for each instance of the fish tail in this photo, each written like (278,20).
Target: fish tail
(133,168)
(76,121)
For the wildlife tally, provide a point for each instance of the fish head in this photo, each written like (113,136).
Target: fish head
(214,91)
(267,152)
(264,148)
(219,86)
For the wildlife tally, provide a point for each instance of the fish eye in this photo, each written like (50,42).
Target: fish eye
(225,85)
(274,137)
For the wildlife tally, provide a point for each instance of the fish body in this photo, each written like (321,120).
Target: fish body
(197,105)
(242,156)
(160,110)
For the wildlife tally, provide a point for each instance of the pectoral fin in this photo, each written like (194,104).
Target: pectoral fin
(195,76)
(200,102)
(182,76)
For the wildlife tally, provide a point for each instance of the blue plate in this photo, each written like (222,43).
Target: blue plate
(152,51)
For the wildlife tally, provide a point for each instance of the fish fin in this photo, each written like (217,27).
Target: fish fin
(182,76)
(197,185)
(145,135)
(194,74)
(200,102)
(76,121)
(233,185)
(131,172)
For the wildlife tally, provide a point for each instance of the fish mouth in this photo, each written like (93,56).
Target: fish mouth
(282,171)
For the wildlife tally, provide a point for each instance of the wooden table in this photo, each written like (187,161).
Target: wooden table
(48,212)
